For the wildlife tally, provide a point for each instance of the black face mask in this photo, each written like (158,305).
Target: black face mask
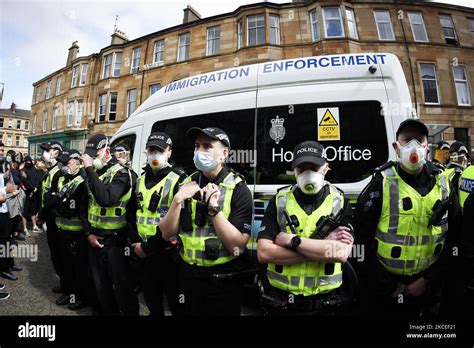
(28,164)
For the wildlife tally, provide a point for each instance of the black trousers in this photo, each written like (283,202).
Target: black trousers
(158,275)
(5,237)
(203,294)
(52,237)
(113,278)
(75,261)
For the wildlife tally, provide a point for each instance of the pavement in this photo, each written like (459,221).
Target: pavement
(31,294)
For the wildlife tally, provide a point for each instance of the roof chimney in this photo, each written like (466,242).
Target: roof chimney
(13,107)
(190,14)
(119,37)
(73,51)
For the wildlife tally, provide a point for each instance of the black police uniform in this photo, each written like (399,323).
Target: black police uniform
(110,266)
(377,284)
(72,245)
(158,272)
(205,290)
(52,231)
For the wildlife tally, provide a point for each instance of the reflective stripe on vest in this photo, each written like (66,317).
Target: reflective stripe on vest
(193,242)
(147,220)
(72,223)
(48,181)
(466,184)
(309,277)
(109,218)
(405,243)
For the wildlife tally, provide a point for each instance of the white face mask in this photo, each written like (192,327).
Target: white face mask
(157,160)
(47,156)
(310,182)
(412,155)
(98,162)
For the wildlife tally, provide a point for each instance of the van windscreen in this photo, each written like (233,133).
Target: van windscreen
(352,133)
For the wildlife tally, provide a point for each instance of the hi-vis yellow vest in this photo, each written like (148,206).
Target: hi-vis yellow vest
(73,223)
(48,181)
(450,173)
(147,221)
(109,218)
(466,184)
(405,243)
(192,248)
(309,277)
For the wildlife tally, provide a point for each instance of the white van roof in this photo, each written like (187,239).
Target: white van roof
(319,69)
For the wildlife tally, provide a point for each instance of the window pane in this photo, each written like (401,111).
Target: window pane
(459,73)
(315,25)
(113,106)
(117,64)
(462,92)
(382,16)
(333,28)
(242,156)
(331,12)
(274,165)
(431,94)
(418,27)
(428,71)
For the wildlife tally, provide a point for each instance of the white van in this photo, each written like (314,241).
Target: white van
(350,103)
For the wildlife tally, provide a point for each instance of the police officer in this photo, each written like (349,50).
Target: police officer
(296,235)
(458,160)
(212,214)
(121,152)
(109,254)
(401,218)
(441,155)
(154,194)
(52,150)
(70,204)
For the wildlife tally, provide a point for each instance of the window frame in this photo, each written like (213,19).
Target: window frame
(422,24)
(340,22)
(75,76)
(35,116)
(277,28)
(77,118)
(240,33)
(316,21)
(443,27)
(129,102)
(466,81)
(136,57)
(48,89)
(58,84)
(110,106)
(115,64)
(102,105)
(353,21)
(150,86)
(161,52)
(54,119)
(106,67)
(45,120)
(70,113)
(212,41)
(186,47)
(436,81)
(256,28)
(384,22)
(83,74)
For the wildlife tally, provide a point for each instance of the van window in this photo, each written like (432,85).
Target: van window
(129,140)
(361,148)
(239,126)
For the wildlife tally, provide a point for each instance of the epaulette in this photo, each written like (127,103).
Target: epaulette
(384,166)
(284,187)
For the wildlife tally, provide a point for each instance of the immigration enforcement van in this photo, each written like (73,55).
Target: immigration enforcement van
(350,103)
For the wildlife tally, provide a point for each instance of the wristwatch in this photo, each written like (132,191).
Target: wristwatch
(295,243)
(213,210)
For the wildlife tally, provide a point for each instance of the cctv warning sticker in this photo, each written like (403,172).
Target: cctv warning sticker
(328,124)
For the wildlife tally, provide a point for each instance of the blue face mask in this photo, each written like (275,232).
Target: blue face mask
(204,161)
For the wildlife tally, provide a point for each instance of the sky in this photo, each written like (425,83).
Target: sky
(35,35)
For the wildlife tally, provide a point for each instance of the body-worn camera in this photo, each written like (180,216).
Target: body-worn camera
(201,214)
(211,248)
(154,201)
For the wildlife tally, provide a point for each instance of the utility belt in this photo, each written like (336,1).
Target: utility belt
(281,300)
(225,271)
(113,239)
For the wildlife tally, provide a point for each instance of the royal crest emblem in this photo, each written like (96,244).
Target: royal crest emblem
(277,131)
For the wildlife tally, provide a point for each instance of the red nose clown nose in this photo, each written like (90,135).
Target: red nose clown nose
(414,158)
